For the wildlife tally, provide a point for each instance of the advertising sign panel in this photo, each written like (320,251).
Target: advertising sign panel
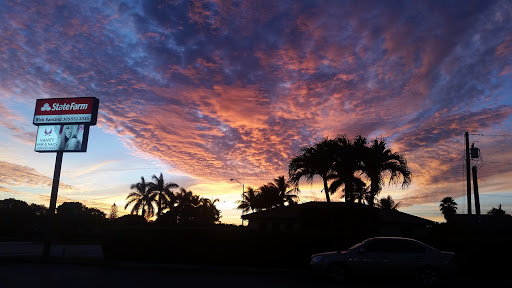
(82,110)
(65,138)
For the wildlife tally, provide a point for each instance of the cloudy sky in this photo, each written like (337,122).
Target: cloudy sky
(205,91)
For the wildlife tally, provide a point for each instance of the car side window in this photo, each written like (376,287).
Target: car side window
(394,246)
(379,245)
(406,246)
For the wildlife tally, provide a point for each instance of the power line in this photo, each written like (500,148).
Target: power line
(495,135)
(503,135)
(495,162)
(493,195)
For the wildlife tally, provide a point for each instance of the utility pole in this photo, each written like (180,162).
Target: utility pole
(243,194)
(475,188)
(468,172)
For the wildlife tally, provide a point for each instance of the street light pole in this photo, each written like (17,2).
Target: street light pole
(243,194)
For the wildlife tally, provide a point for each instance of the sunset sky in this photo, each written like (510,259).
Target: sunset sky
(205,91)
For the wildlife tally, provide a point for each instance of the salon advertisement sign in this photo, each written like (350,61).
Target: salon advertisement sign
(81,110)
(65,138)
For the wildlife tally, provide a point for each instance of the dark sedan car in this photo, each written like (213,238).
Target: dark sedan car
(388,255)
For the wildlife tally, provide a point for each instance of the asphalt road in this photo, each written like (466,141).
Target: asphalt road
(83,266)
(76,275)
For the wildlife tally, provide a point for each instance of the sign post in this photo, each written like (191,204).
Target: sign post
(53,205)
(63,126)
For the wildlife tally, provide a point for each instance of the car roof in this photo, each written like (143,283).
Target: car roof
(398,238)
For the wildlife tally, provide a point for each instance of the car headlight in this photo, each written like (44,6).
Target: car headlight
(316,259)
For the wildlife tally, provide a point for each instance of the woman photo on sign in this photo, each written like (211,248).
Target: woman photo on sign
(71,137)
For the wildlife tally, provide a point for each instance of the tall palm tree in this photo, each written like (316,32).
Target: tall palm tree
(349,156)
(141,198)
(316,160)
(162,193)
(249,201)
(388,203)
(378,162)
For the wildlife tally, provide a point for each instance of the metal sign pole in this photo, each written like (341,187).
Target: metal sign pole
(53,206)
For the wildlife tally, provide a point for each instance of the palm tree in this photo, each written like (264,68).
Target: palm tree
(162,193)
(208,212)
(186,208)
(388,203)
(316,160)
(268,196)
(141,198)
(448,207)
(284,194)
(379,161)
(349,156)
(249,201)
(361,192)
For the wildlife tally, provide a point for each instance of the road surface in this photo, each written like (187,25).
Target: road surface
(76,275)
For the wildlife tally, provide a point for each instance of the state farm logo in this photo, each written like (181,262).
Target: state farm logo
(58,107)
(46,107)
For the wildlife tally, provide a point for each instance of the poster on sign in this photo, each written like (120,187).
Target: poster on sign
(65,138)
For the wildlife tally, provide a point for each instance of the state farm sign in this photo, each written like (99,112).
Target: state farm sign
(83,110)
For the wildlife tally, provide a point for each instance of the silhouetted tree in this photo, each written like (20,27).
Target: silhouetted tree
(316,160)
(113,212)
(192,209)
(348,155)
(162,194)
(75,217)
(208,212)
(185,210)
(268,197)
(361,192)
(495,211)
(276,194)
(15,216)
(39,210)
(388,203)
(95,213)
(285,194)
(249,201)
(141,199)
(378,162)
(131,220)
(448,207)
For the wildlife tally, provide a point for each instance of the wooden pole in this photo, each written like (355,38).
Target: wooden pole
(468,172)
(475,188)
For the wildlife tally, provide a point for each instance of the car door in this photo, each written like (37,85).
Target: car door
(405,255)
(374,257)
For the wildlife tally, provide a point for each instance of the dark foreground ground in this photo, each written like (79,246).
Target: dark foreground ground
(15,273)
(78,266)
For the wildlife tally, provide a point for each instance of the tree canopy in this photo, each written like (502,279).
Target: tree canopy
(343,163)
(273,194)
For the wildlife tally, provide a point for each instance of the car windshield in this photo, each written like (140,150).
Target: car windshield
(356,246)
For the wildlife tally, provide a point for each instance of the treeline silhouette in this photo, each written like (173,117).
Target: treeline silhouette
(21,221)
(172,208)
(273,194)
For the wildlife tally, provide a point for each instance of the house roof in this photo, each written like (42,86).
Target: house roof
(293,211)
